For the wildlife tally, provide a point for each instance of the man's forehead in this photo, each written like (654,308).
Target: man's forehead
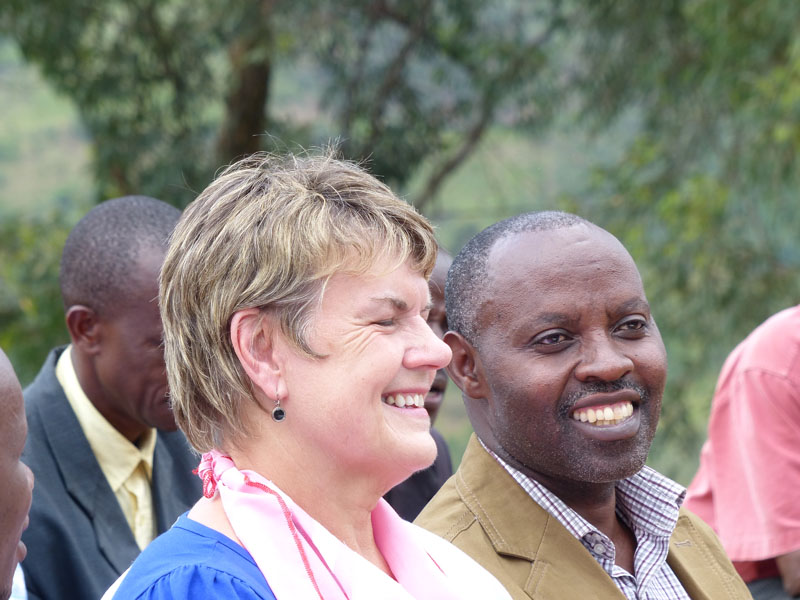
(554,248)
(548,263)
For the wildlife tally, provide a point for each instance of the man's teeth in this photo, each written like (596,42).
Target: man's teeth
(403,400)
(606,415)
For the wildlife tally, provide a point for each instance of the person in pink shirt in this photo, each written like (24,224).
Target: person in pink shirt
(748,484)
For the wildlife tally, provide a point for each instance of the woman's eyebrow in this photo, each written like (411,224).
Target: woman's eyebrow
(398,303)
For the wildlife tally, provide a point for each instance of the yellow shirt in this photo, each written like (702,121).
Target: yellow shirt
(128,468)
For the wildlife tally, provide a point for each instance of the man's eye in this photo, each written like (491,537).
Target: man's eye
(550,339)
(384,323)
(632,325)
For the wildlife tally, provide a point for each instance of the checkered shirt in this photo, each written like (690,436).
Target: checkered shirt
(648,503)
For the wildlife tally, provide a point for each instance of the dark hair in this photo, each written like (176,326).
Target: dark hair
(102,250)
(466,286)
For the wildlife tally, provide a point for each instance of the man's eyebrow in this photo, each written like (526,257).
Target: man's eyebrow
(635,304)
(548,319)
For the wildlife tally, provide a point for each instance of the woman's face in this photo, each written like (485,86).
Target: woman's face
(360,407)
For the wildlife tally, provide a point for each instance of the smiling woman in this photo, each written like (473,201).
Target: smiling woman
(294,298)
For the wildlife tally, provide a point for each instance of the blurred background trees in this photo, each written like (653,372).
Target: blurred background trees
(672,124)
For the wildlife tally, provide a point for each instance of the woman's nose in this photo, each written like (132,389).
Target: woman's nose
(427,350)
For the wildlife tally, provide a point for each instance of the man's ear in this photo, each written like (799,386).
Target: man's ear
(85,328)
(465,368)
(252,340)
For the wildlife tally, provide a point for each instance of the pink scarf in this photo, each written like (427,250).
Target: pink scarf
(300,559)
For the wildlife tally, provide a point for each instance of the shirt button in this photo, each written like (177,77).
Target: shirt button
(599,548)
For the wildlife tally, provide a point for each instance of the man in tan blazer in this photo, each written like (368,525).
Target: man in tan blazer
(562,370)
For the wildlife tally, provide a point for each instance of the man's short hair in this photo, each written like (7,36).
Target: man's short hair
(268,233)
(466,288)
(102,250)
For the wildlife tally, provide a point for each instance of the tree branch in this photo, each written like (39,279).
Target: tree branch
(245,105)
(416,29)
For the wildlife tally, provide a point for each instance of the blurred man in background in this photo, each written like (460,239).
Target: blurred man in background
(113,473)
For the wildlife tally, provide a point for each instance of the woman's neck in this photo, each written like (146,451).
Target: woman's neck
(343,505)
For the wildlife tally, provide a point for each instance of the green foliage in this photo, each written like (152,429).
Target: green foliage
(31,314)
(168,91)
(706,194)
(43,154)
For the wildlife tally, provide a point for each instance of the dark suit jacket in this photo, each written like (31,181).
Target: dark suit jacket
(78,539)
(483,511)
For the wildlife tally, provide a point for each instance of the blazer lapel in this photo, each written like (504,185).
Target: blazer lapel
(550,559)
(85,481)
(699,566)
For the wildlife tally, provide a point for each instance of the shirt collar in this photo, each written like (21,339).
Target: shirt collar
(649,501)
(117,456)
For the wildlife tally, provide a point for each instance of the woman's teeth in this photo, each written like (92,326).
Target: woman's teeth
(403,400)
(604,415)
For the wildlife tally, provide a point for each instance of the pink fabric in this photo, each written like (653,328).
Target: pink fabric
(748,484)
(266,522)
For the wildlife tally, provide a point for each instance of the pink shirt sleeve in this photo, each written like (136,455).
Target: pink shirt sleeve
(748,484)
(756,466)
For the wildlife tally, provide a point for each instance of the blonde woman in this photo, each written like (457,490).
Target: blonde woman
(294,298)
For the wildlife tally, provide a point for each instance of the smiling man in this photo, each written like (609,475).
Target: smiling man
(111,470)
(562,370)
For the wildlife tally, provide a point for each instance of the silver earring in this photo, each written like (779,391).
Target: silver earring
(278,414)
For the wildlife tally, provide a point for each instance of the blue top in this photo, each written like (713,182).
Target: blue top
(191,561)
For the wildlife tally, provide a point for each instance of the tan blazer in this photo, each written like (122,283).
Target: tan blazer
(483,511)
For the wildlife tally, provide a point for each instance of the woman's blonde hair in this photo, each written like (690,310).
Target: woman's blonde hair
(268,233)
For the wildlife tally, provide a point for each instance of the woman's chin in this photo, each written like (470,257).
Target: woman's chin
(417,453)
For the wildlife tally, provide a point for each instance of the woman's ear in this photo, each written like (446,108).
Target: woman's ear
(252,340)
(465,368)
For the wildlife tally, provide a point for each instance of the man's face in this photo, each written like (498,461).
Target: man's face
(437,320)
(16,478)
(130,365)
(571,357)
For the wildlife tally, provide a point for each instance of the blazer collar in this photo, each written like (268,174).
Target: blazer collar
(519,528)
(80,472)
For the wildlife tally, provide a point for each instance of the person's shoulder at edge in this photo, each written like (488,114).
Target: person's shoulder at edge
(769,346)
(192,561)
